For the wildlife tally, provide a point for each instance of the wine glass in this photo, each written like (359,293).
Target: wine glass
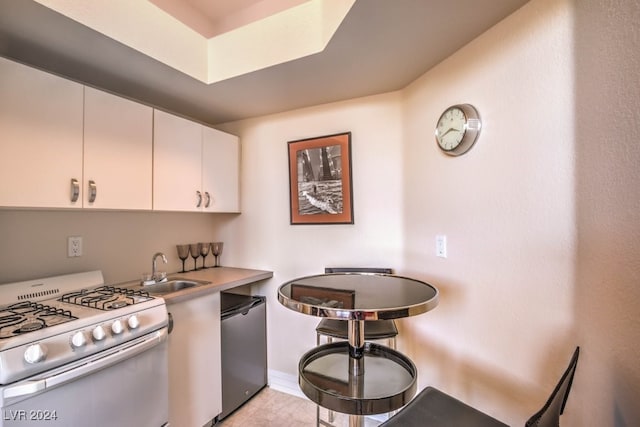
(216,250)
(183,254)
(204,251)
(194,250)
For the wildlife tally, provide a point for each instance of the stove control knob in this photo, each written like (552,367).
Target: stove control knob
(98,333)
(133,322)
(35,353)
(116,327)
(78,340)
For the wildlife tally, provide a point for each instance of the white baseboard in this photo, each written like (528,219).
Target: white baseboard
(285,383)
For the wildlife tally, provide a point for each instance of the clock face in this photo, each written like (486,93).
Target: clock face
(457,129)
(451,128)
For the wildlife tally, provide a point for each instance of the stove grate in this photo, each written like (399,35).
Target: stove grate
(26,316)
(106,297)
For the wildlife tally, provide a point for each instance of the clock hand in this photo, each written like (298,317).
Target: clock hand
(449,130)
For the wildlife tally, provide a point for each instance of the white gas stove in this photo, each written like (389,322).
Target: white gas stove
(49,322)
(73,323)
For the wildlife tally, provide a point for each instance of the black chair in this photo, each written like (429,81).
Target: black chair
(431,407)
(373,329)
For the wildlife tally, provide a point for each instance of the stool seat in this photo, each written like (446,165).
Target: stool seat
(373,329)
(431,407)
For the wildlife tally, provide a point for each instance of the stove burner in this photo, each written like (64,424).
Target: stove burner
(30,327)
(119,304)
(27,316)
(106,297)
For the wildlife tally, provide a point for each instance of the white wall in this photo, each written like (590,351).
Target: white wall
(263,231)
(608,204)
(505,326)
(33,243)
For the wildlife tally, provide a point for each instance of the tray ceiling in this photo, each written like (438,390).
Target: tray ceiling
(379,46)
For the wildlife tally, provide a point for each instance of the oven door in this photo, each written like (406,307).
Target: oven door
(125,386)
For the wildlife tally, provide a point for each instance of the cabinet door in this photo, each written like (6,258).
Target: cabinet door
(177,153)
(220,170)
(195,367)
(40,137)
(118,149)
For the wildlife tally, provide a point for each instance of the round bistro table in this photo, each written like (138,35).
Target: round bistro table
(356,377)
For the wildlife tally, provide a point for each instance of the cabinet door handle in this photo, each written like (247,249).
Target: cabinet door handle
(75,190)
(170,324)
(93,191)
(199,199)
(208,202)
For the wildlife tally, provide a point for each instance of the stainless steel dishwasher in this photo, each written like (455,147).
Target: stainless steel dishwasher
(244,349)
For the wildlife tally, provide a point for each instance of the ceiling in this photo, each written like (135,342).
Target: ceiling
(211,18)
(380,46)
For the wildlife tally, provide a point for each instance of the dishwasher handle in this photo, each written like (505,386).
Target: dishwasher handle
(244,308)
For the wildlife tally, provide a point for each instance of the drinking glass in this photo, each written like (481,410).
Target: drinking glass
(216,250)
(183,254)
(204,251)
(194,250)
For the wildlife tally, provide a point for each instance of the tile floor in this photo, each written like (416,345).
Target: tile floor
(271,408)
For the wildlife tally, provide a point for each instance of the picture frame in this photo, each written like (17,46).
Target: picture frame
(320,183)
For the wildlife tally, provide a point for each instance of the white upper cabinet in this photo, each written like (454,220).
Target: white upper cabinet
(118,152)
(195,168)
(67,146)
(177,150)
(41,118)
(64,145)
(220,170)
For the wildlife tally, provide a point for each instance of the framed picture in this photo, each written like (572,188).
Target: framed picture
(320,190)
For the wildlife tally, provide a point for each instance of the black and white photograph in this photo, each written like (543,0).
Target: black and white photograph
(320,180)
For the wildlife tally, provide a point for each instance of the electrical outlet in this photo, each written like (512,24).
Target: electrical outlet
(441,246)
(74,246)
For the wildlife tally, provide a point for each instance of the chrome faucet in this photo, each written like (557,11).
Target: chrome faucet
(154,271)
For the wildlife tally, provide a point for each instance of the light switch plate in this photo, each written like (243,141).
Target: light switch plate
(441,246)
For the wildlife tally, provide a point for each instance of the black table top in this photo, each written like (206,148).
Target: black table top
(358,296)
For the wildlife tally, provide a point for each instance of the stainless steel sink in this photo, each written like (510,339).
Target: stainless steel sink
(172,285)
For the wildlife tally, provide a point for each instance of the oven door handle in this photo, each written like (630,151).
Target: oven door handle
(131,349)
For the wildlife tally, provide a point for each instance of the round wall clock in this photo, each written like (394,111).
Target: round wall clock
(458,129)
